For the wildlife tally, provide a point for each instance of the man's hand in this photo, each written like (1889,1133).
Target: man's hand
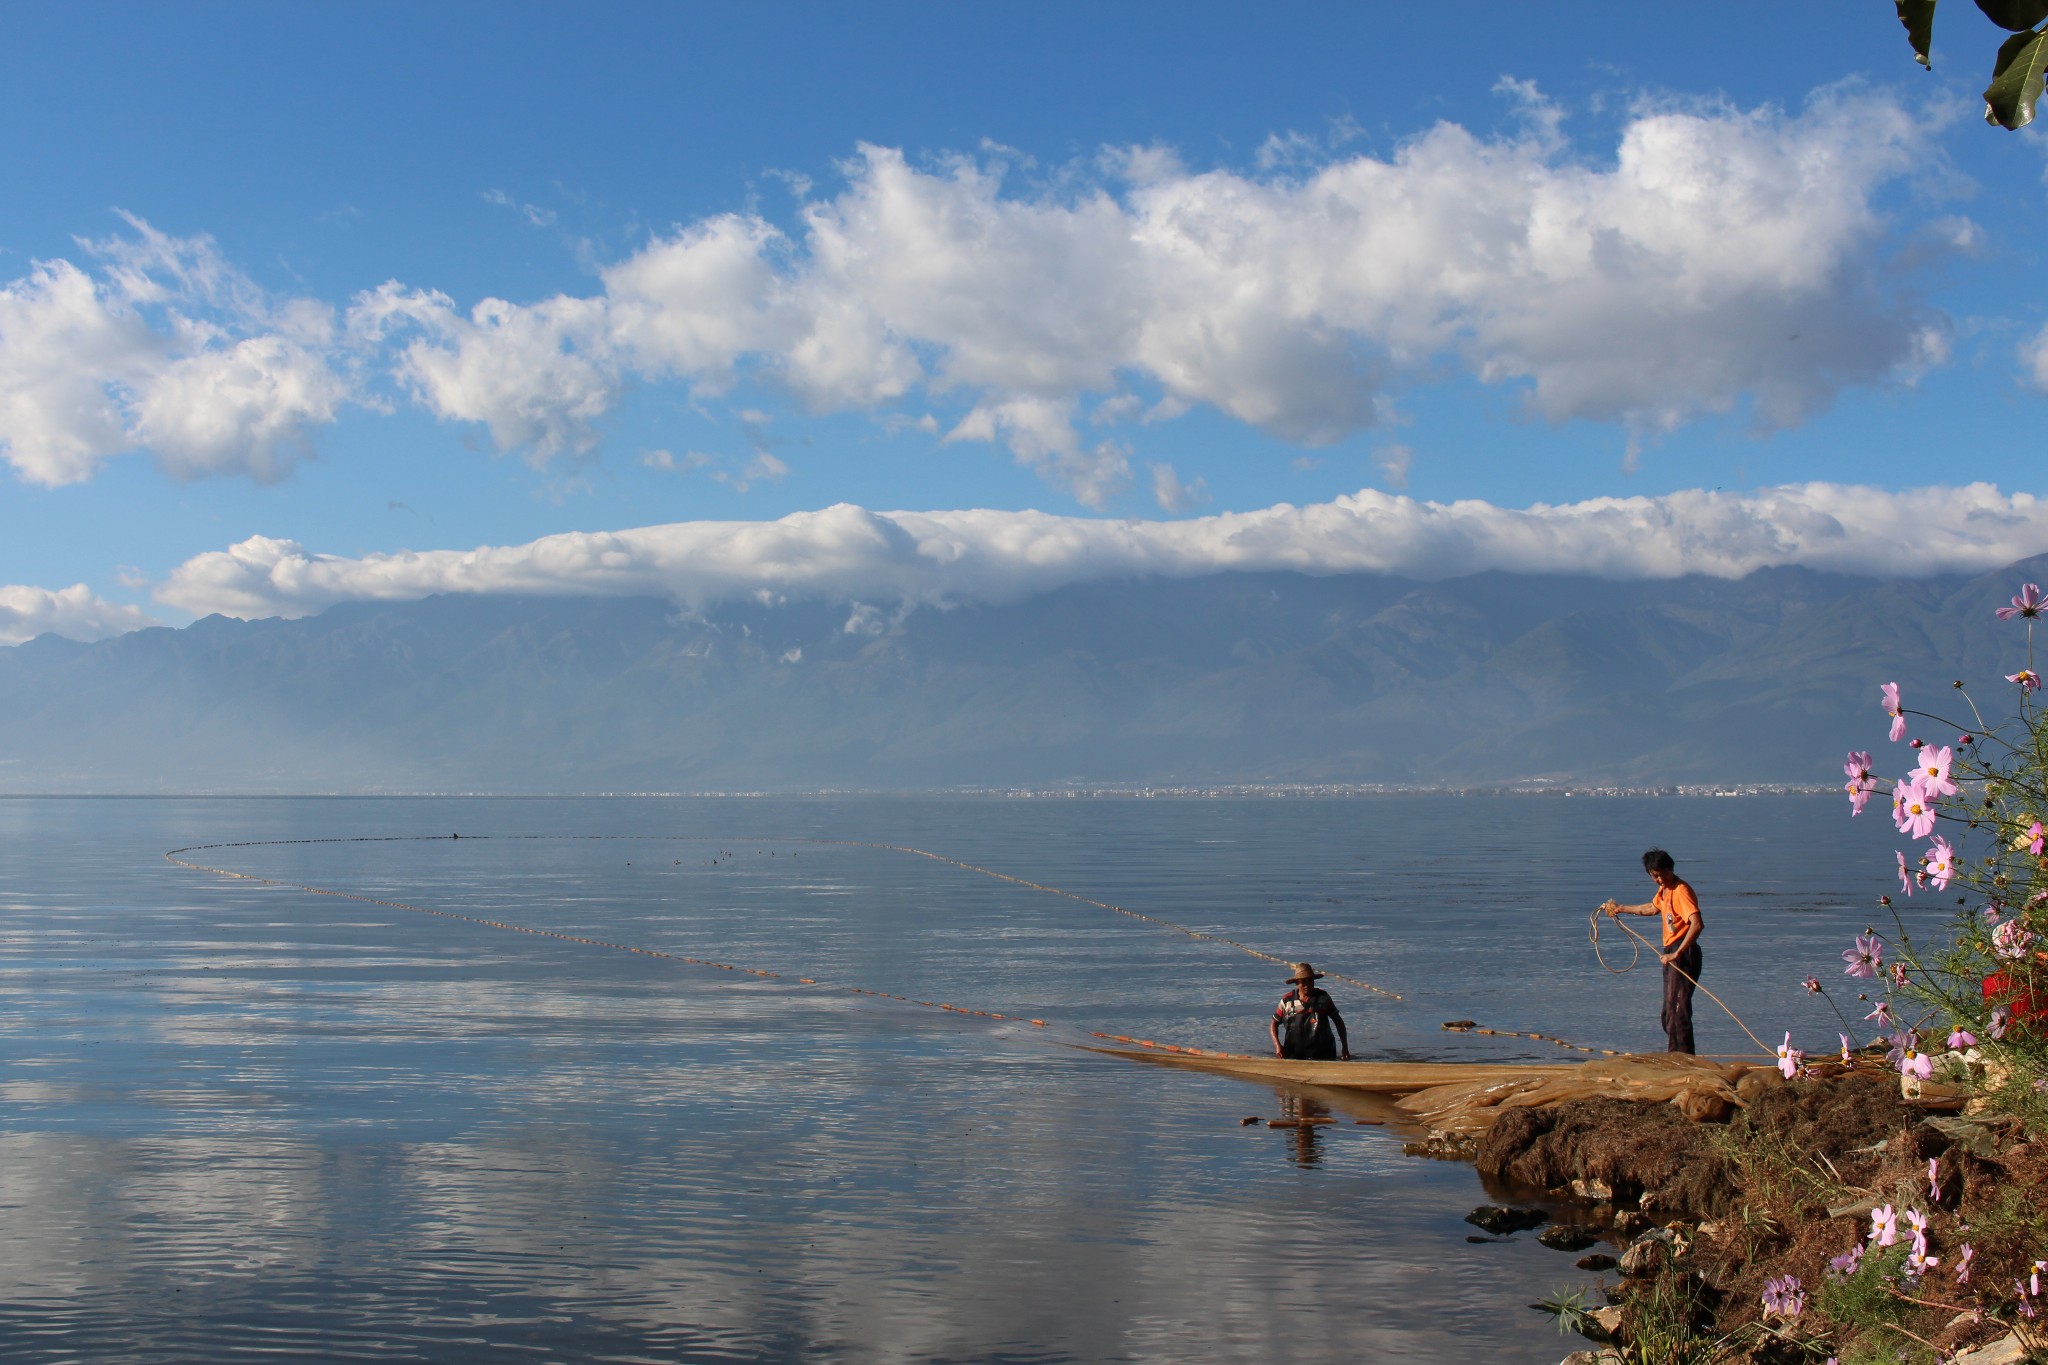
(1345,1055)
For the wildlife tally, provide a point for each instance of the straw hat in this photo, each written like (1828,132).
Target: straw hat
(1304,972)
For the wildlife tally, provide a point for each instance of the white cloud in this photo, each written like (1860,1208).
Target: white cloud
(850,555)
(1395,462)
(168,348)
(1721,258)
(72,612)
(1174,496)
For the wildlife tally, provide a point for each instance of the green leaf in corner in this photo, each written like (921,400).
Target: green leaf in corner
(1918,17)
(2014,16)
(2016,80)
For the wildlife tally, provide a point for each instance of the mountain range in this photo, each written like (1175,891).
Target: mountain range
(1492,679)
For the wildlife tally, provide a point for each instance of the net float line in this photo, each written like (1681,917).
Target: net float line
(555,934)
(807,841)
(1155,920)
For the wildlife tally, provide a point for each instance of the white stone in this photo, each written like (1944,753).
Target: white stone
(2004,1351)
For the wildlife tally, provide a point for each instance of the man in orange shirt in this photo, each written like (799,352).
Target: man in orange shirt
(1680,908)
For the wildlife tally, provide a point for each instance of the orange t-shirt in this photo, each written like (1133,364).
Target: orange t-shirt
(1679,906)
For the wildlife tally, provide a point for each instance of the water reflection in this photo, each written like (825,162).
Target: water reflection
(243,1121)
(1305,1116)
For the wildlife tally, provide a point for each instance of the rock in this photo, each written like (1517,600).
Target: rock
(2004,1351)
(1605,1323)
(1442,1146)
(1246,1123)
(1599,1260)
(1560,1237)
(1497,1218)
(1646,1257)
(1629,1222)
(1592,1187)
(1461,1025)
(1603,1357)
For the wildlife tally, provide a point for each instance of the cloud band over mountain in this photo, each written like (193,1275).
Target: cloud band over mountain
(850,554)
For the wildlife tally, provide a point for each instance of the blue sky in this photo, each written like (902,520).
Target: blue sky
(1144,263)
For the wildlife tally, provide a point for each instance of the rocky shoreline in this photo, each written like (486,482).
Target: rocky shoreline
(1715,1214)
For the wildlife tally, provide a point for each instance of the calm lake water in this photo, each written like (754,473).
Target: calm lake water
(240,1121)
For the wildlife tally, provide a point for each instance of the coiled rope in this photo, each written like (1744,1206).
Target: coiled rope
(173,857)
(1635,956)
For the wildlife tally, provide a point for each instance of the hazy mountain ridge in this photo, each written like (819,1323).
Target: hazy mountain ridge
(1231,678)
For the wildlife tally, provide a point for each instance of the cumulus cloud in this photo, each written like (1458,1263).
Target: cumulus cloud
(72,612)
(163,346)
(1719,259)
(851,555)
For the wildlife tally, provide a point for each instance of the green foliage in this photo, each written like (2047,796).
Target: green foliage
(2017,71)
(1568,1307)
(1865,1299)
(2016,80)
(1663,1325)
(1918,17)
(2011,15)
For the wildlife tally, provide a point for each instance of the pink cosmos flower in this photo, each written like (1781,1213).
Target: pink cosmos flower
(1857,764)
(1934,1180)
(2028,603)
(1789,1058)
(1783,1297)
(2034,1280)
(1915,1063)
(1941,864)
(1932,772)
(1963,1259)
(1847,1060)
(1898,973)
(2027,678)
(1913,809)
(2037,838)
(1868,954)
(1843,1266)
(1960,1038)
(1884,1226)
(1882,1013)
(1918,1262)
(1895,709)
(2011,940)
(2001,1015)
(1905,877)
(1813,986)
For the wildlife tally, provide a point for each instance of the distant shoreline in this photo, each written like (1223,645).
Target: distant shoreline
(1130,792)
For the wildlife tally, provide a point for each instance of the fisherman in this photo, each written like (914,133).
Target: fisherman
(1301,1024)
(1680,908)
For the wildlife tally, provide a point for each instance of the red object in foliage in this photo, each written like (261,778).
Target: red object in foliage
(2001,989)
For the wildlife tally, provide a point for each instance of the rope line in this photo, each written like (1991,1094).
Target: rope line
(1593,931)
(1198,934)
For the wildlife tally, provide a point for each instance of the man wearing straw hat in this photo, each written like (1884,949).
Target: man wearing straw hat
(1301,1025)
(1680,909)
